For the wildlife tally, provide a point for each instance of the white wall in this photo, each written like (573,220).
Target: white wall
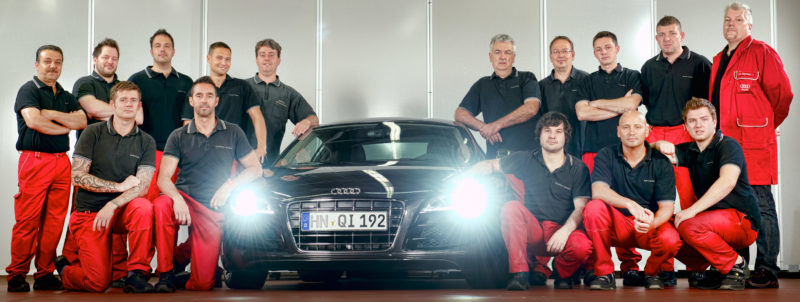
(366,58)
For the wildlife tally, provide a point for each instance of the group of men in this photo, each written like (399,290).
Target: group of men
(154,152)
(589,171)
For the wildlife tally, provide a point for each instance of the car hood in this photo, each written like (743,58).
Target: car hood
(398,182)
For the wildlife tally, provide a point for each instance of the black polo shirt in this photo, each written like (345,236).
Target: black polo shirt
(704,168)
(236,97)
(96,86)
(724,59)
(603,85)
(667,87)
(279,103)
(562,97)
(37,94)
(113,157)
(650,182)
(549,196)
(205,162)
(162,101)
(496,97)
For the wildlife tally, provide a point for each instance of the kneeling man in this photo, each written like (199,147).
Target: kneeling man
(204,150)
(726,216)
(556,188)
(112,166)
(633,188)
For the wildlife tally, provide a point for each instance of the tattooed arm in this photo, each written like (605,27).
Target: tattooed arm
(103,218)
(82,179)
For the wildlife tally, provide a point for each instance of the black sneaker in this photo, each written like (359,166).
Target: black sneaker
(668,278)
(519,281)
(18,284)
(695,278)
(61,263)
(47,282)
(166,283)
(136,282)
(711,279)
(537,279)
(606,282)
(588,277)
(562,283)
(653,282)
(119,283)
(735,279)
(576,277)
(762,278)
(633,278)
(181,279)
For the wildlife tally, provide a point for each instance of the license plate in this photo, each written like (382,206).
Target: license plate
(344,221)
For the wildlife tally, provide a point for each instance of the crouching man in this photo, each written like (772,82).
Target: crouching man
(204,150)
(726,216)
(546,223)
(634,194)
(112,166)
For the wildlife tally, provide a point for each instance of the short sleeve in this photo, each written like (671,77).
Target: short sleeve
(27,97)
(644,84)
(730,152)
(584,89)
(187,112)
(149,147)
(582,182)
(83,87)
(682,153)
(243,147)
(665,180)
(472,101)
(530,89)
(299,108)
(249,97)
(701,77)
(603,166)
(72,103)
(634,81)
(513,163)
(84,147)
(173,147)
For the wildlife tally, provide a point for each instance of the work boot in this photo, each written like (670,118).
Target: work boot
(668,278)
(18,284)
(519,281)
(633,278)
(653,282)
(762,278)
(735,279)
(136,282)
(606,282)
(47,282)
(166,283)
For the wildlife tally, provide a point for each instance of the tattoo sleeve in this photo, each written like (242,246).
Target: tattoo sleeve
(82,179)
(145,174)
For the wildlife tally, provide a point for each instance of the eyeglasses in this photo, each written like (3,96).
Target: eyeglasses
(558,52)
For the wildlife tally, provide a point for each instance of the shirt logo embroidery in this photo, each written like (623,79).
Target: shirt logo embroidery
(649,180)
(744,87)
(135,156)
(563,186)
(281,102)
(688,76)
(224,147)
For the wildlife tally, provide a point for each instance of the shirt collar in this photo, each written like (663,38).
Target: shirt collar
(39,84)
(686,55)
(151,73)
(276,83)
(647,155)
(514,73)
(97,76)
(715,141)
(617,69)
(571,73)
(110,126)
(191,128)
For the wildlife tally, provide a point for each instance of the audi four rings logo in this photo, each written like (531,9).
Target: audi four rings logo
(346,191)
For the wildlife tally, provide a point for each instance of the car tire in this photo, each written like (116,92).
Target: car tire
(245,279)
(486,263)
(319,275)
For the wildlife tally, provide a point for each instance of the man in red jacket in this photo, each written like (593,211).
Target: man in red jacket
(752,92)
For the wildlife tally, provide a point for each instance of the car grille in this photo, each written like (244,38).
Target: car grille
(345,241)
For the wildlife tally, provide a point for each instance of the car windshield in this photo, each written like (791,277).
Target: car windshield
(386,143)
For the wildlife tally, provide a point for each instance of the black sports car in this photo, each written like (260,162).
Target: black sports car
(382,195)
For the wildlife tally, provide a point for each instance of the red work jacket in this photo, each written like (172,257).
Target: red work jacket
(754,98)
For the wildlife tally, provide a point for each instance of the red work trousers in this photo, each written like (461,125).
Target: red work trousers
(517,187)
(153,191)
(524,235)
(712,237)
(607,226)
(92,271)
(40,207)
(205,235)
(119,250)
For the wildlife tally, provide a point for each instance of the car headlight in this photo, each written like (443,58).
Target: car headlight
(246,203)
(468,198)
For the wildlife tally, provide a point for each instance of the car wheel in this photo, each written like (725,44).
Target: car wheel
(319,275)
(245,279)
(486,262)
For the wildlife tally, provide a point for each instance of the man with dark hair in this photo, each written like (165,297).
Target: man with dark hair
(46,113)
(93,93)
(556,188)
(164,92)
(669,80)
(113,164)
(750,89)
(560,90)
(633,188)
(509,100)
(204,185)
(726,216)
(279,102)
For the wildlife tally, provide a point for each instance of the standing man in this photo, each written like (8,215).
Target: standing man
(606,94)
(634,193)
(114,163)
(46,113)
(561,89)
(726,216)
(509,100)
(164,92)
(752,92)
(556,188)
(279,102)
(93,93)
(203,186)
(238,103)
(669,80)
